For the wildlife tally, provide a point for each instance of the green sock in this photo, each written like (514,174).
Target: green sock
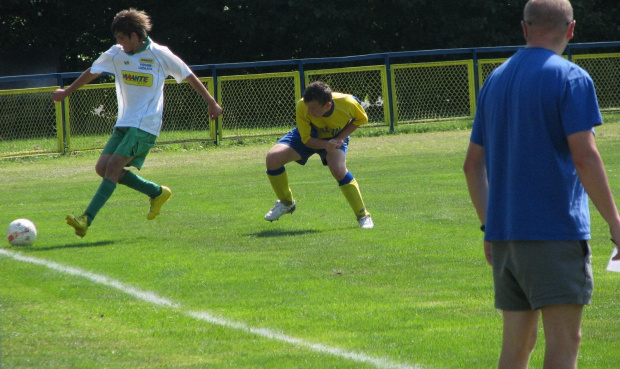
(140,184)
(105,190)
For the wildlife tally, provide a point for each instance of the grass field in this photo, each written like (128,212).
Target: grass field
(210,284)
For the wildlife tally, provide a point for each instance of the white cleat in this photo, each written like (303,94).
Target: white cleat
(278,210)
(366,222)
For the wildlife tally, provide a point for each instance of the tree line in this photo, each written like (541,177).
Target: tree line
(70,34)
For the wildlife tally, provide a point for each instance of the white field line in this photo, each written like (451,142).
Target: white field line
(153,298)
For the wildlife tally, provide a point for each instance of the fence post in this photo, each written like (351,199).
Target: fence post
(388,75)
(63,145)
(302,77)
(215,131)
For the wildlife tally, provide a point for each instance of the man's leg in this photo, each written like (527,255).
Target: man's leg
(336,160)
(113,169)
(135,182)
(111,165)
(277,157)
(519,338)
(158,195)
(562,325)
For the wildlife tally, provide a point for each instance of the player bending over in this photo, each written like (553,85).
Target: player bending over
(324,122)
(140,67)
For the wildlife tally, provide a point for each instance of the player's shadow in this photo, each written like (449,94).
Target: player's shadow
(73,246)
(280,233)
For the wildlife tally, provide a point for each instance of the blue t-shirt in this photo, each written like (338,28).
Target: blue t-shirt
(526,110)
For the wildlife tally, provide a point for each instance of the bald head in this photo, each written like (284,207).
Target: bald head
(548,24)
(548,15)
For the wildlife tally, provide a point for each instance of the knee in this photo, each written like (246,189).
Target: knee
(530,342)
(338,171)
(272,161)
(100,169)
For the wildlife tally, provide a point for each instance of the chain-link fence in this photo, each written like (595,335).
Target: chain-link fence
(92,113)
(29,122)
(264,103)
(368,84)
(433,91)
(605,72)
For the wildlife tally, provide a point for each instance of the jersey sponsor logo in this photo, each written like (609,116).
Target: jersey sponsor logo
(146,64)
(137,79)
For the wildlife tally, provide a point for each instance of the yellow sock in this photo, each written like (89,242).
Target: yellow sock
(279,183)
(353,195)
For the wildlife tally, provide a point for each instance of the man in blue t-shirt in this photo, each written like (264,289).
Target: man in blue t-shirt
(531,164)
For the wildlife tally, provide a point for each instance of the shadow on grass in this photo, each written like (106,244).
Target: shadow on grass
(72,246)
(280,233)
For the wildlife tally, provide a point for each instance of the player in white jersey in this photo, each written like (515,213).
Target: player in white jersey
(140,67)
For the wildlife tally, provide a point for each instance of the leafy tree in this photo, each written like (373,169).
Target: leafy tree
(74,32)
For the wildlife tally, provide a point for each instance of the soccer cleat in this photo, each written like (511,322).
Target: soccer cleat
(157,202)
(278,210)
(366,222)
(80,224)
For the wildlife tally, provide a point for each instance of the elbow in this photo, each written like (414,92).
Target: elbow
(584,162)
(581,163)
(468,167)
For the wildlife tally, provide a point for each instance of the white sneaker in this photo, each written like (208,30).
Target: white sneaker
(278,210)
(366,222)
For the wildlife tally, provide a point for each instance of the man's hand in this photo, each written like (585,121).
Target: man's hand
(214,110)
(487,252)
(334,144)
(59,95)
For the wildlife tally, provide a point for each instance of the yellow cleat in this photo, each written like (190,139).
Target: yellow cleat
(158,202)
(80,224)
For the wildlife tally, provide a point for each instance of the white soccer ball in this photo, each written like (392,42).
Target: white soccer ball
(21,232)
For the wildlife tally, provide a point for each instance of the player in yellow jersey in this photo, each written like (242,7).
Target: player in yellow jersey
(324,122)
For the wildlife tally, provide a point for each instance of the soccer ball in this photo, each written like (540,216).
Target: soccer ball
(21,232)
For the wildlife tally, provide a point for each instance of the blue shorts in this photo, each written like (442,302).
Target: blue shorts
(293,140)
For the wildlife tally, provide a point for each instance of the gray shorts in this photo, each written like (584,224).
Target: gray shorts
(529,275)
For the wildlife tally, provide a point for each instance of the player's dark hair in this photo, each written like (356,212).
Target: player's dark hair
(132,20)
(318,91)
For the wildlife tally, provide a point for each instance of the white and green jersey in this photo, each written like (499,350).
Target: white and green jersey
(140,80)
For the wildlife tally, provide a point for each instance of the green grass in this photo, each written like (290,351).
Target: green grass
(415,290)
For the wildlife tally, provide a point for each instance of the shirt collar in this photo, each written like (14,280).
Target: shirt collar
(146,45)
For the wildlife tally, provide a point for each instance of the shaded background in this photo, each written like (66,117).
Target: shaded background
(42,36)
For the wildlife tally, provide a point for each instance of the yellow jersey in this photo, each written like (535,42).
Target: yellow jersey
(345,109)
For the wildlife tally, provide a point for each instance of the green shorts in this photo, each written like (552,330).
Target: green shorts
(130,142)
(529,275)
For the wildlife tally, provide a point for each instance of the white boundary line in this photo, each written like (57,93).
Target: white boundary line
(153,298)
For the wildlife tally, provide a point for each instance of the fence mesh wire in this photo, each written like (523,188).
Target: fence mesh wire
(186,114)
(605,72)
(264,104)
(28,122)
(432,91)
(369,84)
(93,113)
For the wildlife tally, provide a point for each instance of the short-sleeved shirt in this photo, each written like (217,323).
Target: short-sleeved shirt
(345,109)
(526,110)
(139,79)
